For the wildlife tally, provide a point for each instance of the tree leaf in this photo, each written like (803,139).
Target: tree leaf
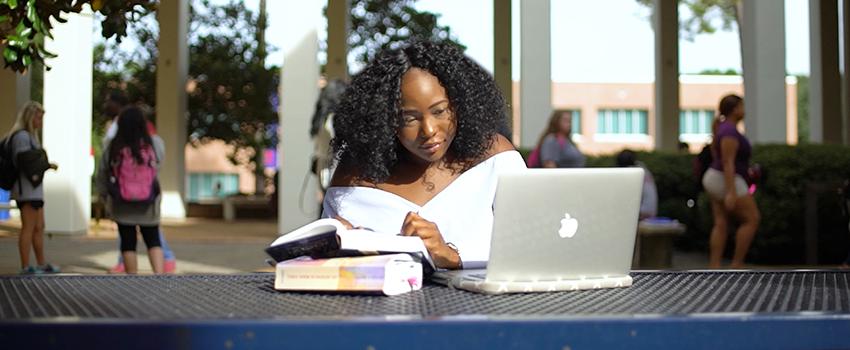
(31,11)
(10,55)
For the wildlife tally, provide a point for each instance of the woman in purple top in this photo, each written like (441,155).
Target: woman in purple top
(726,184)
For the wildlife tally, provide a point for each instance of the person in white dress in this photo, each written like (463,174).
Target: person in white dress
(418,151)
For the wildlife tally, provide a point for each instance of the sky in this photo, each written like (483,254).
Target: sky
(592,41)
(612,40)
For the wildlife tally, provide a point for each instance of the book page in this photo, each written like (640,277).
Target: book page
(314,228)
(370,241)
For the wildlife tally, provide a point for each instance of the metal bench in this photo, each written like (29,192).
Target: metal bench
(230,204)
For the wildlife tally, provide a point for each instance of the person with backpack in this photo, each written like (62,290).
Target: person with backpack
(127,182)
(113,104)
(24,165)
(556,149)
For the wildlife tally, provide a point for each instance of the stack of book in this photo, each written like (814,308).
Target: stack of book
(325,256)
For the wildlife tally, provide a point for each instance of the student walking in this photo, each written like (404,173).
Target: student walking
(726,184)
(127,181)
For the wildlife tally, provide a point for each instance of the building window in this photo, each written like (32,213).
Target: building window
(622,122)
(575,117)
(211,186)
(695,121)
(576,121)
(695,125)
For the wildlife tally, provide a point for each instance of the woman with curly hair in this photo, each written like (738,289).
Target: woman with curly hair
(418,151)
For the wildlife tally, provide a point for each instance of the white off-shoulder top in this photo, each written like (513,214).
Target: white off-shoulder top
(463,211)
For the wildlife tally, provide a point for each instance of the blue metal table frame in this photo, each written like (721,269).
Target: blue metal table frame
(777,310)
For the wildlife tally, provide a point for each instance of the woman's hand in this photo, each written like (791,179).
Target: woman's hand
(443,255)
(344,222)
(729,201)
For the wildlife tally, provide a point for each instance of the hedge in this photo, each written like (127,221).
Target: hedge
(780,197)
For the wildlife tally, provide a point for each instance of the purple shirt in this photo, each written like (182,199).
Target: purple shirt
(742,156)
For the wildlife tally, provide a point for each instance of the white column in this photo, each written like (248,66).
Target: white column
(171,74)
(824,81)
(338,26)
(67,125)
(764,70)
(535,85)
(298,94)
(14,92)
(502,53)
(666,24)
(846,82)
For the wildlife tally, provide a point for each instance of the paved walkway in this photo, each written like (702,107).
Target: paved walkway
(201,246)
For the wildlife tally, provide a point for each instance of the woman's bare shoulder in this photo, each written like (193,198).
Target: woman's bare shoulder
(500,144)
(347,176)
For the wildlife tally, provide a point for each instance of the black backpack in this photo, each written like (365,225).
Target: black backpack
(701,163)
(8,170)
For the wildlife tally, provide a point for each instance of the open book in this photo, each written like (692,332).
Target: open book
(328,238)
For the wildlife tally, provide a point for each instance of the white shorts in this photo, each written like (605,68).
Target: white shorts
(715,185)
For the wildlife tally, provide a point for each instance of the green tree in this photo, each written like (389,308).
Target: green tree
(729,71)
(377,25)
(24,24)
(707,16)
(229,88)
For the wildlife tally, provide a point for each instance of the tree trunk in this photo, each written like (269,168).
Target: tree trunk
(259,171)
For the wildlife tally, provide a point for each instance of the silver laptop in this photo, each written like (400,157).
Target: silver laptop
(559,229)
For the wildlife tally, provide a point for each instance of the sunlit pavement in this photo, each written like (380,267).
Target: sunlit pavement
(201,246)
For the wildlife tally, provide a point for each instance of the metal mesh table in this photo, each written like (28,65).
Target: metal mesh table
(211,307)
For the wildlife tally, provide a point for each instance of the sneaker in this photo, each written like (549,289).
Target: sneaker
(30,270)
(118,268)
(49,268)
(169,265)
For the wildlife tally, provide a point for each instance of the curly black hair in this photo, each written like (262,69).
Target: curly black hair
(368,118)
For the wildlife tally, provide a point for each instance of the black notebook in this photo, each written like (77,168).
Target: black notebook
(328,238)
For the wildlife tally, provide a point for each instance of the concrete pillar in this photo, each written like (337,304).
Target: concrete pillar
(299,91)
(171,74)
(67,125)
(764,70)
(666,24)
(846,63)
(502,51)
(824,82)
(338,24)
(14,92)
(535,86)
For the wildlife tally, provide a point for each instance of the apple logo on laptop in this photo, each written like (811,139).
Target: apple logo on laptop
(569,226)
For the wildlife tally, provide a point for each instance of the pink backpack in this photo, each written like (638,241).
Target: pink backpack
(533,160)
(132,181)
(534,157)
